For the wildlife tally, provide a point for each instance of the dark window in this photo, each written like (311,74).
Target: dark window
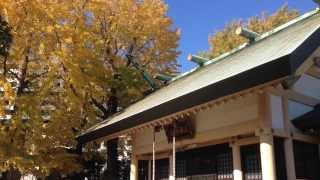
(162,169)
(250,159)
(307,162)
(280,158)
(181,173)
(224,165)
(143,170)
(213,162)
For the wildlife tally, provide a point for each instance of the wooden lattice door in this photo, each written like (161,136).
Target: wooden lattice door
(251,162)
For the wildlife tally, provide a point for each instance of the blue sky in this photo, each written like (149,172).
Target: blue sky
(197,19)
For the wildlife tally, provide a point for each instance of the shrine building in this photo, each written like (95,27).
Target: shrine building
(250,114)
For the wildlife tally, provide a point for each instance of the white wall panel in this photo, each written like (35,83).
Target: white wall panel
(276,112)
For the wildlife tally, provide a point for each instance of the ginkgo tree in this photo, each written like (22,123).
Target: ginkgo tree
(69,67)
(226,39)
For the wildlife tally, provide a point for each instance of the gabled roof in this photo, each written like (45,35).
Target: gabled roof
(274,55)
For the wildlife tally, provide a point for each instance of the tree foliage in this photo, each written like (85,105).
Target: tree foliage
(67,60)
(226,39)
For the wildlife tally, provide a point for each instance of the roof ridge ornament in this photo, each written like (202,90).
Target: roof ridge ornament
(131,60)
(197,59)
(246,33)
(163,77)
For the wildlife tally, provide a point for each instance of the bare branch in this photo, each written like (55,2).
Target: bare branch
(13,73)
(23,70)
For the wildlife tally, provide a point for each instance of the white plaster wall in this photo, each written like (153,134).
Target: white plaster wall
(231,113)
(228,114)
(146,138)
(308,85)
(276,112)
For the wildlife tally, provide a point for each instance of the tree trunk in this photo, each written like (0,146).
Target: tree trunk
(23,75)
(112,160)
(5,65)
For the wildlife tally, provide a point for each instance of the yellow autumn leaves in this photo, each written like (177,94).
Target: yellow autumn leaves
(226,40)
(64,54)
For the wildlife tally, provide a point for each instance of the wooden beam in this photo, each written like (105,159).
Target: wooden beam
(159,155)
(295,96)
(206,137)
(281,133)
(304,99)
(306,138)
(246,141)
(314,71)
(308,63)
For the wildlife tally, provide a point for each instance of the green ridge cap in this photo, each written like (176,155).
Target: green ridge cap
(258,39)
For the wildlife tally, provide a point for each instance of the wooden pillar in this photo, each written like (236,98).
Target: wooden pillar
(267,157)
(236,156)
(154,155)
(134,168)
(134,161)
(171,168)
(288,142)
(172,158)
(174,152)
(266,138)
(290,164)
(149,170)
